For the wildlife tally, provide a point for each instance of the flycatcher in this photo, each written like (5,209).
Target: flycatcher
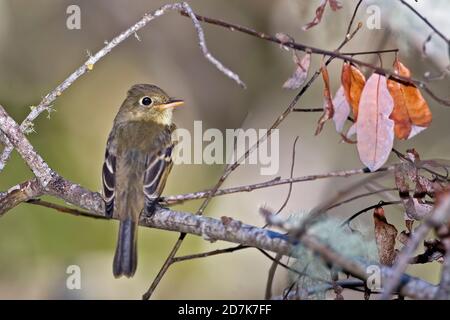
(137,163)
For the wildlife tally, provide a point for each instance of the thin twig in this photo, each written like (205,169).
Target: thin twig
(165,267)
(230,74)
(291,175)
(208,253)
(378,205)
(307,110)
(359,196)
(352,19)
(61,208)
(174,199)
(275,263)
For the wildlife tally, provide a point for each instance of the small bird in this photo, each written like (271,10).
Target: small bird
(137,163)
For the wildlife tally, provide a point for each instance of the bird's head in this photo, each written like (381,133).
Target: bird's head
(148,103)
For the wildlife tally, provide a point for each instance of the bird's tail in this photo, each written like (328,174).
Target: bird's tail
(125,258)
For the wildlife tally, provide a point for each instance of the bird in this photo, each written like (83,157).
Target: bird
(138,159)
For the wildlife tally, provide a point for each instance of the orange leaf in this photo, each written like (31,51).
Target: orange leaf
(411,113)
(374,129)
(353,82)
(328,109)
(385,234)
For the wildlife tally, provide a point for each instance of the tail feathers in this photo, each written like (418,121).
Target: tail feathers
(125,258)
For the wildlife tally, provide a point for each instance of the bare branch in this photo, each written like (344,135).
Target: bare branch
(205,51)
(174,199)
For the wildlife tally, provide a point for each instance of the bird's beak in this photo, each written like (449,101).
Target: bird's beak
(173,103)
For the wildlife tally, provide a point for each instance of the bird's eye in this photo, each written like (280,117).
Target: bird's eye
(146,101)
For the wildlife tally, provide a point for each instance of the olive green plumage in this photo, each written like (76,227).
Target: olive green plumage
(137,163)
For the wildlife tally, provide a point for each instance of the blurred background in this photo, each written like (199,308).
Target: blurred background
(37,52)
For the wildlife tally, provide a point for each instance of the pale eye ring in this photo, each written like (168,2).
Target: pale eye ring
(146,101)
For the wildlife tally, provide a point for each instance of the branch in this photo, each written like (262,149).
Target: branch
(46,102)
(230,230)
(174,199)
(334,54)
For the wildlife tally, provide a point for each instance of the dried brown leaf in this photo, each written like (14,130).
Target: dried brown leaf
(385,235)
(328,109)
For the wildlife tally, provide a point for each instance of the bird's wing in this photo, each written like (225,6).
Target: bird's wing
(108,176)
(158,166)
